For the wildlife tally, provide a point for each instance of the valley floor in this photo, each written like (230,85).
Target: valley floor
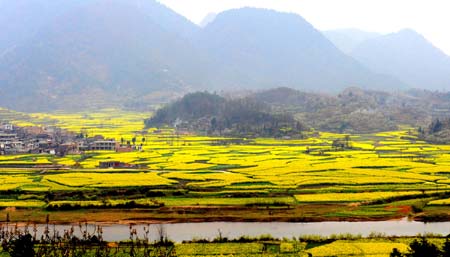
(183,177)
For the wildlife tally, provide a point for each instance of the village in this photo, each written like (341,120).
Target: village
(55,141)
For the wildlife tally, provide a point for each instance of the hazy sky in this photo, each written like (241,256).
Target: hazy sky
(430,18)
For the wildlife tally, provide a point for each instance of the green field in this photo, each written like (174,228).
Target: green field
(382,176)
(302,247)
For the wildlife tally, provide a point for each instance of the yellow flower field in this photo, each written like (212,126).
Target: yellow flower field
(380,166)
(371,249)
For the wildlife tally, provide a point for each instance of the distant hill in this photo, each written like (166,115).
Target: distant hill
(347,39)
(211,114)
(354,109)
(268,49)
(408,56)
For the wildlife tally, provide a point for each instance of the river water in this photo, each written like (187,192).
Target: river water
(209,230)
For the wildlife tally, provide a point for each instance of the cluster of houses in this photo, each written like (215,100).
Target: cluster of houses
(54,140)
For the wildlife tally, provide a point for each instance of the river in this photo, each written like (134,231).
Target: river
(209,230)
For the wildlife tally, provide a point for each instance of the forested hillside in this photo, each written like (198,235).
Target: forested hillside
(214,115)
(353,110)
(438,131)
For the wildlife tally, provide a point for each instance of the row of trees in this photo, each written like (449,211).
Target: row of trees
(81,241)
(423,248)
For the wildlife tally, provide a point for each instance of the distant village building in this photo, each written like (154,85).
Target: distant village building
(116,165)
(9,143)
(67,148)
(55,141)
(7,137)
(7,127)
(104,145)
(124,148)
(96,143)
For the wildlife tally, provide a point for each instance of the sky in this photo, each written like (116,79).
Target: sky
(430,18)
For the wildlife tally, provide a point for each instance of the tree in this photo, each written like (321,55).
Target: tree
(23,246)
(213,124)
(298,126)
(446,248)
(423,248)
(347,141)
(436,126)
(396,253)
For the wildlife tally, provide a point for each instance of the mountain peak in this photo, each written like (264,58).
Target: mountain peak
(272,49)
(409,34)
(407,55)
(408,31)
(254,15)
(210,17)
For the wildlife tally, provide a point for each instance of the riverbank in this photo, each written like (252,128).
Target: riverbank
(302,213)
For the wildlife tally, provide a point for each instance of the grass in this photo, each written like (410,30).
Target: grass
(227,201)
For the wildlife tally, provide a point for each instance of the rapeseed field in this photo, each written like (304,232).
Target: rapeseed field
(194,170)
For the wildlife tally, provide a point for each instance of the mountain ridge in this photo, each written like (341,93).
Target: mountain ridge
(408,56)
(287,56)
(122,53)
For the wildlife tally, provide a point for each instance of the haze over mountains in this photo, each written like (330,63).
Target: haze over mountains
(405,55)
(347,39)
(408,56)
(267,48)
(68,54)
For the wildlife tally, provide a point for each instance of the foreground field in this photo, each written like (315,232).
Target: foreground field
(266,246)
(185,177)
(356,247)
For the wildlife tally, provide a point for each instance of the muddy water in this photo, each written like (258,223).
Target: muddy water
(209,230)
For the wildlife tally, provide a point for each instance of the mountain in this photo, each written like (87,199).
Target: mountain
(408,56)
(208,19)
(347,39)
(101,53)
(77,54)
(20,20)
(165,17)
(267,49)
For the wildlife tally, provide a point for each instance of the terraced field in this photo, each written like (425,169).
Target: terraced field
(381,176)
